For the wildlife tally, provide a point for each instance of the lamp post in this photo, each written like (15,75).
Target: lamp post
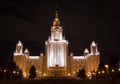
(107,71)
(106,66)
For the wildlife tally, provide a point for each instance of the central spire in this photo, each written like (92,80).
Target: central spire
(56,29)
(56,21)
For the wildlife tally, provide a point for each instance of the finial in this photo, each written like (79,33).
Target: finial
(56,21)
(93,43)
(26,50)
(86,50)
(19,43)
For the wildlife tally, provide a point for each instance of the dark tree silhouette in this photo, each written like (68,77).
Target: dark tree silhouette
(101,65)
(82,74)
(32,72)
(113,61)
(20,75)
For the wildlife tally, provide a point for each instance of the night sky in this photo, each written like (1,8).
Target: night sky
(83,21)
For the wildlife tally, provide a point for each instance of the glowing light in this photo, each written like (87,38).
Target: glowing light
(33,57)
(78,57)
(44,74)
(73,71)
(113,70)
(88,75)
(46,42)
(98,72)
(5,70)
(103,72)
(119,69)
(17,72)
(14,72)
(36,70)
(106,66)
(69,74)
(24,74)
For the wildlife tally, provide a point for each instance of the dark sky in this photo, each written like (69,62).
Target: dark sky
(83,21)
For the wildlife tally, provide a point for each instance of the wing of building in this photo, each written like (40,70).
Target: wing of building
(57,62)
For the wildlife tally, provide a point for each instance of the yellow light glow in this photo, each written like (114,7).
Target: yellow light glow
(5,70)
(113,70)
(106,66)
(14,72)
(73,71)
(17,72)
(88,75)
(44,74)
(99,72)
(69,74)
(24,74)
(119,69)
(103,72)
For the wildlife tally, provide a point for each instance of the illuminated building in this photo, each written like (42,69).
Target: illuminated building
(57,62)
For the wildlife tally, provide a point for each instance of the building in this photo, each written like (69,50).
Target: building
(57,62)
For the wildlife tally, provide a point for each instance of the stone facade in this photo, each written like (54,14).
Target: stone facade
(57,62)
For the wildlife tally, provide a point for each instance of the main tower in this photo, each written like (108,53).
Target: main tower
(56,50)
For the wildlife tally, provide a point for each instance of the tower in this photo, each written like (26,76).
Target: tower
(19,48)
(93,47)
(92,59)
(56,50)
(56,29)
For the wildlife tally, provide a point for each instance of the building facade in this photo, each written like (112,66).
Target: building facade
(57,62)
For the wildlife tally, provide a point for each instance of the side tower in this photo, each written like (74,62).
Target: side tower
(56,50)
(19,57)
(92,59)
(19,48)
(24,61)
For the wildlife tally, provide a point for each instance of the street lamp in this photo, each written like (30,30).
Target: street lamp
(106,66)
(107,72)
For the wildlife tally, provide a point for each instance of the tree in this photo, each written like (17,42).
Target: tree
(32,72)
(82,73)
(101,65)
(113,61)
